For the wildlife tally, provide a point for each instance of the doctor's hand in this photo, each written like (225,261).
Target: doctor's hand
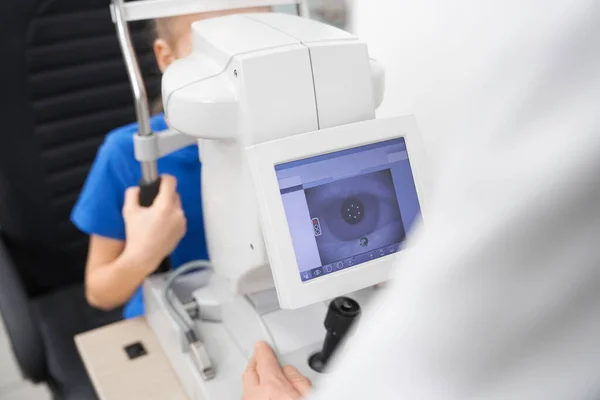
(153,233)
(264,379)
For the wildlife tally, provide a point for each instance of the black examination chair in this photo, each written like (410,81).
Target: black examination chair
(63,86)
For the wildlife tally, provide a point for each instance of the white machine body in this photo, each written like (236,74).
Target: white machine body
(294,334)
(252,85)
(252,79)
(301,183)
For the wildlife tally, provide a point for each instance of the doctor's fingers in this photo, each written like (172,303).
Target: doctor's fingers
(301,383)
(267,365)
(272,380)
(250,377)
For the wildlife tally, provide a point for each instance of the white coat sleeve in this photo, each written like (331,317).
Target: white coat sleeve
(500,298)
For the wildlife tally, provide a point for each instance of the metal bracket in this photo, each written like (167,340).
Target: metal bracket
(151,148)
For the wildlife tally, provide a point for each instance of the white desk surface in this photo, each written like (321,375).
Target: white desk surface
(115,376)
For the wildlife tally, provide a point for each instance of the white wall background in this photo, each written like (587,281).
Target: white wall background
(397,34)
(425,58)
(438,54)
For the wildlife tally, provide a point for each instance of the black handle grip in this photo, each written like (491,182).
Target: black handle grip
(148,193)
(341,315)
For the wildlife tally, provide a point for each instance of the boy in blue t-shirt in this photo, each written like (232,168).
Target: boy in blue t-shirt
(128,242)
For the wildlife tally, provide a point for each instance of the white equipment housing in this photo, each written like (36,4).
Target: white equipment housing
(252,79)
(303,180)
(257,91)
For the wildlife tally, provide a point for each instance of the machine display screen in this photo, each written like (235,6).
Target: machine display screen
(348,207)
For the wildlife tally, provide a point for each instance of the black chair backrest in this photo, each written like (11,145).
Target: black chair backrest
(63,86)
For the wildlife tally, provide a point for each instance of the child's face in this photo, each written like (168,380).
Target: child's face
(179,42)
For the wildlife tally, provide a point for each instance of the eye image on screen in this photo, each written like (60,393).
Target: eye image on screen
(348,207)
(355,215)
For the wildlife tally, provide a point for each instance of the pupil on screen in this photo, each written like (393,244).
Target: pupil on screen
(353,210)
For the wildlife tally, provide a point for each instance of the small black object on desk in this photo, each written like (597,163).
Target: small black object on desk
(341,315)
(135,350)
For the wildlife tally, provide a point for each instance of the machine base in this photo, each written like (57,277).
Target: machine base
(295,334)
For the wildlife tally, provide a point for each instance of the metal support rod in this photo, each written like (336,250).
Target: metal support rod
(140,96)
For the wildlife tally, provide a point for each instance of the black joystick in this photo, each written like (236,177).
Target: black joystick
(339,319)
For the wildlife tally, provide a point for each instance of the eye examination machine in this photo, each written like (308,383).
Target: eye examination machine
(308,198)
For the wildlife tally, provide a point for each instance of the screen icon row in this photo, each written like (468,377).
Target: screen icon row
(350,262)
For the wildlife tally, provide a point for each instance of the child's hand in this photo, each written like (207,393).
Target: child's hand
(153,233)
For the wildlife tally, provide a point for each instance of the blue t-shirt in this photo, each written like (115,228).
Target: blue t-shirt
(99,208)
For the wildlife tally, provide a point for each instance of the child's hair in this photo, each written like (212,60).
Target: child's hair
(162,28)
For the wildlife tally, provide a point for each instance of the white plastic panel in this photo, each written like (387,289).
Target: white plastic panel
(278,99)
(207,109)
(292,329)
(378,82)
(182,72)
(343,81)
(234,238)
(275,98)
(292,292)
(305,30)
(224,37)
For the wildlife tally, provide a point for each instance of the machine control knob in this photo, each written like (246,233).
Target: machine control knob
(341,315)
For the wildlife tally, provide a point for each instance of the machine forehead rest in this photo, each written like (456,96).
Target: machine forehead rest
(226,37)
(302,29)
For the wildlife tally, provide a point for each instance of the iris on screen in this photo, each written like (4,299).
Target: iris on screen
(356,215)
